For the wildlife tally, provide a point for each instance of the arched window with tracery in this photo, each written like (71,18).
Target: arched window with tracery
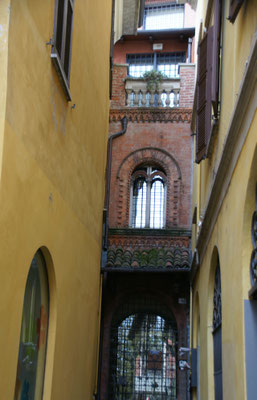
(33,337)
(217,334)
(148,197)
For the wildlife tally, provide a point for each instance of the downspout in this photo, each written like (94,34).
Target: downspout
(189,50)
(124,124)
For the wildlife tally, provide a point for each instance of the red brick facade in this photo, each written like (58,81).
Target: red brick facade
(156,136)
(165,144)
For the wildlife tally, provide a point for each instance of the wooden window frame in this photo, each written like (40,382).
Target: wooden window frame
(58,58)
(203,98)
(208,105)
(234,8)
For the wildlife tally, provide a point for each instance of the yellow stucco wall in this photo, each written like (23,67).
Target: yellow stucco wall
(237,39)
(231,235)
(52,164)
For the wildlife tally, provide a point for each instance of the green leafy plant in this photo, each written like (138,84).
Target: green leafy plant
(153,79)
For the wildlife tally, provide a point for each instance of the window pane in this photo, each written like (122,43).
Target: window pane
(139,64)
(164,17)
(138,70)
(139,203)
(168,63)
(32,349)
(157,203)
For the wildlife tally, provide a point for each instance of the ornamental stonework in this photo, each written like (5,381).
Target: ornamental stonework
(151,115)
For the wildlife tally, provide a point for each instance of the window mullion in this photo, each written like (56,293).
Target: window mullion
(155,62)
(148,201)
(64,30)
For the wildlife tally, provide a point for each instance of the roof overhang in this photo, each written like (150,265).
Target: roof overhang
(182,34)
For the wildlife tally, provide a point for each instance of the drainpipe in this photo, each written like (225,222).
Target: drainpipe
(124,124)
(189,50)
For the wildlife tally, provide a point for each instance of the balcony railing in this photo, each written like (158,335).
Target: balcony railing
(167,94)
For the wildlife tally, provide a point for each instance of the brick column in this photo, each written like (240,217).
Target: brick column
(187,85)
(120,72)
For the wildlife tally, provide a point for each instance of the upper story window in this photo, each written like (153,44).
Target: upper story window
(164,17)
(61,47)
(148,197)
(164,62)
(33,337)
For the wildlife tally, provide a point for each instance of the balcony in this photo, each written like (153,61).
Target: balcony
(167,94)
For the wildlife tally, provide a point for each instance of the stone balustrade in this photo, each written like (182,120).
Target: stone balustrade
(137,94)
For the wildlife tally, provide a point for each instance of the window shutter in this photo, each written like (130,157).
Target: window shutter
(216,54)
(204,76)
(234,9)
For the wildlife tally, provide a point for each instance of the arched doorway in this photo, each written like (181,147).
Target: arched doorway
(143,354)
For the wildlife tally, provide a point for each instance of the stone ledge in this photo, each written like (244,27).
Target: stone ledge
(170,232)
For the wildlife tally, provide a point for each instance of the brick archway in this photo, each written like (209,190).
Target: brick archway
(151,155)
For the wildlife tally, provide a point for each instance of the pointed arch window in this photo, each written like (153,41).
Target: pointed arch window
(217,335)
(148,197)
(33,337)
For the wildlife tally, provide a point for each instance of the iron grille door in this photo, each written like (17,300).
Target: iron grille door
(143,358)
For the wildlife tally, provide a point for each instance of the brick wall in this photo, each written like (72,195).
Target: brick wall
(167,144)
(122,48)
(187,85)
(120,72)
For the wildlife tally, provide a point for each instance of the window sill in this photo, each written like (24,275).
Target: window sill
(61,74)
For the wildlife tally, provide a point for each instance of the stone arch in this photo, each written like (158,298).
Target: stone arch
(174,182)
(133,316)
(249,208)
(214,265)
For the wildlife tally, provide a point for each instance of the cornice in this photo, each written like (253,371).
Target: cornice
(170,232)
(146,114)
(241,119)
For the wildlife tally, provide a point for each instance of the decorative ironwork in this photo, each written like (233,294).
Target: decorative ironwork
(253,263)
(143,354)
(217,312)
(217,335)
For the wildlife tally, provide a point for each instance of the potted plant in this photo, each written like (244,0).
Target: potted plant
(153,79)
